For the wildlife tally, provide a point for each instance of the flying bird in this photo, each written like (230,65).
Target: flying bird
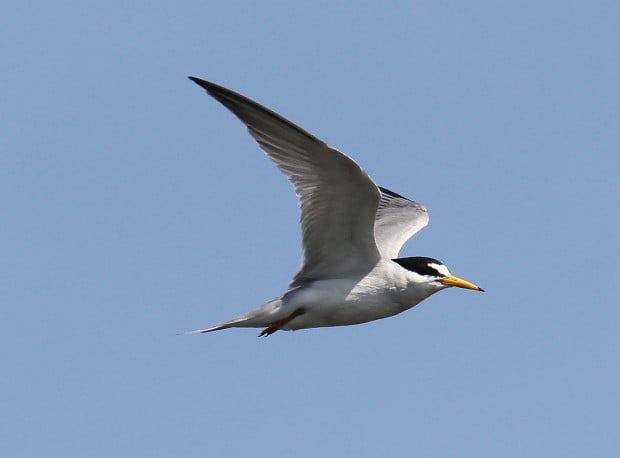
(352,231)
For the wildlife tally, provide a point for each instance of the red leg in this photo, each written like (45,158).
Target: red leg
(273,327)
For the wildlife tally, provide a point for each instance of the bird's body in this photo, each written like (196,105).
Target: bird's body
(386,290)
(352,231)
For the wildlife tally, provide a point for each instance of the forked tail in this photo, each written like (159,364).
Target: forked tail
(260,317)
(228,324)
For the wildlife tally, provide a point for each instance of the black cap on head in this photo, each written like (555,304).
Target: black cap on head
(420,265)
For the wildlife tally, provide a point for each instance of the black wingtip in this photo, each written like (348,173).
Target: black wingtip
(481,290)
(202,83)
(220,93)
(391,193)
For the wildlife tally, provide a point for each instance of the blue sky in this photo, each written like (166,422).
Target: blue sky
(134,207)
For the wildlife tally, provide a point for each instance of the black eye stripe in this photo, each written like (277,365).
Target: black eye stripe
(420,265)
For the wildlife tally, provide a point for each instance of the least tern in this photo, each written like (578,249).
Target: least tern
(352,231)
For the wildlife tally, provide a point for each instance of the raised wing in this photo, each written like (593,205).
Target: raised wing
(398,218)
(338,200)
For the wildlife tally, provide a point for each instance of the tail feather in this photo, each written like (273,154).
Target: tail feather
(228,324)
(257,318)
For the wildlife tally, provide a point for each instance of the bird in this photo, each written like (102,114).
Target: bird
(351,230)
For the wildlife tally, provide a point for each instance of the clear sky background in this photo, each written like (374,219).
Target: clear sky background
(134,207)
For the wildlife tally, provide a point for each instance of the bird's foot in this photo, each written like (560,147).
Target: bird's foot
(273,327)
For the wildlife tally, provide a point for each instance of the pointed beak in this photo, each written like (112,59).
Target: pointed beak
(459,282)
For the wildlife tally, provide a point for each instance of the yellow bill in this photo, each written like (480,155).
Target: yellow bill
(460,283)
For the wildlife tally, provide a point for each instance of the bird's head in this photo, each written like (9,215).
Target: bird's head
(434,273)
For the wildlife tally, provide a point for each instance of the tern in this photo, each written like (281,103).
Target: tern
(352,231)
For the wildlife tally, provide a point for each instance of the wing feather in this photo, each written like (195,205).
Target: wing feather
(338,200)
(397,220)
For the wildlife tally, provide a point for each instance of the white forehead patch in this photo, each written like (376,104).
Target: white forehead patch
(443,270)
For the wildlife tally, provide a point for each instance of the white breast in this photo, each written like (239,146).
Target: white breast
(385,291)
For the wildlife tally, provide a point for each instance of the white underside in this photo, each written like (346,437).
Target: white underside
(386,290)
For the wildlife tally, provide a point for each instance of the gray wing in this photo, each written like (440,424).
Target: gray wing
(338,200)
(398,218)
